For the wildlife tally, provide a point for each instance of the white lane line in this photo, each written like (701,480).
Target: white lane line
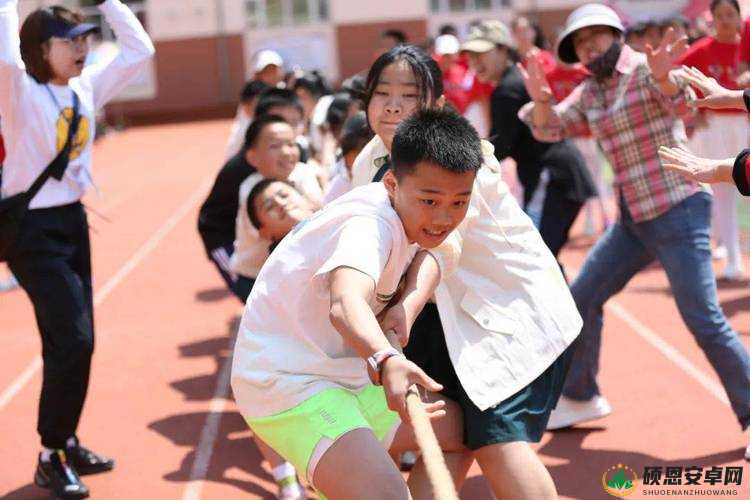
(714,388)
(20,381)
(28,373)
(209,433)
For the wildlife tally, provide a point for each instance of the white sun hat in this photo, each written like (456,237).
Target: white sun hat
(267,58)
(592,14)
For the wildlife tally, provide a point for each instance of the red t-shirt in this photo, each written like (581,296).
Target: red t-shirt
(564,79)
(547,59)
(460,85)
(714,59)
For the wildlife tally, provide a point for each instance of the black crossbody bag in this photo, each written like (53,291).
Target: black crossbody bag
(14,208)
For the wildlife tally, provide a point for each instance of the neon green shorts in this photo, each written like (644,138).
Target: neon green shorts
(304,433)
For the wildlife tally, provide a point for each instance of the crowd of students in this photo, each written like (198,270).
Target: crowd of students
(380,205)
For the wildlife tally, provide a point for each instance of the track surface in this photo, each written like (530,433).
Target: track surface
(159,402)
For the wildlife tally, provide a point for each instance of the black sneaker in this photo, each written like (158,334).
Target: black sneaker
(59,477)
(86,461)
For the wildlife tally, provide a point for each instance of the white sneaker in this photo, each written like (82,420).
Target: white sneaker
(570,412)
(719,253)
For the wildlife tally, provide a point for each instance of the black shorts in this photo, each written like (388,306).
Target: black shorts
(521,417)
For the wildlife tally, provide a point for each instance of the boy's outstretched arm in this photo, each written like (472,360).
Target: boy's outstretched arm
(350,313)
(714,95)
(422,278)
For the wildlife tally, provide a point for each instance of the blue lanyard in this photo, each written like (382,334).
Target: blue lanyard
(57,103)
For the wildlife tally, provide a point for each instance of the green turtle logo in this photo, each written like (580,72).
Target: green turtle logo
(619,481)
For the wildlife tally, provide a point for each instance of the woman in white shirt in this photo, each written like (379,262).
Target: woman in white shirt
(43,78)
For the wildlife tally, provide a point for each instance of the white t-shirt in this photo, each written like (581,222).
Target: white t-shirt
(34,122)
(287,350)
(250,250)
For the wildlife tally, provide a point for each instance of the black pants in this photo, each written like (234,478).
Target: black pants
(239,285)
(52,262)
(558,215)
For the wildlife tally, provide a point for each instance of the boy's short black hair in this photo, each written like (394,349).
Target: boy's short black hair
(275,97)
(256,127)
(252,195)
(440,137)
(252,89)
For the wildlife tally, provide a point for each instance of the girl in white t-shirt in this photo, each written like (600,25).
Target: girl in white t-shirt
(43,80)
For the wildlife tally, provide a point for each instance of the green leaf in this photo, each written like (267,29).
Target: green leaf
(618,480)
(628,484)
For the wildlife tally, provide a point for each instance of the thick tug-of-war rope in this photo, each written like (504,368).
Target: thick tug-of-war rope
(437,471)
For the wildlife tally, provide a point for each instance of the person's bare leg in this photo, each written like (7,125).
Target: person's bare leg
(449,432)
(273,458)
(370,472)
(280,474)
(515,472)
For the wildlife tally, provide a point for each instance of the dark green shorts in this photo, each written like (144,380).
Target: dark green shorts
(521,417)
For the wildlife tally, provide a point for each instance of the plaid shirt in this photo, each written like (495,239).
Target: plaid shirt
(630,118)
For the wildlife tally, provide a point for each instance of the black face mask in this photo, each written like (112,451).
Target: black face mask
(604,66)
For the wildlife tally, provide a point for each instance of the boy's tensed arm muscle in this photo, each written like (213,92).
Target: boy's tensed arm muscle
(350,313)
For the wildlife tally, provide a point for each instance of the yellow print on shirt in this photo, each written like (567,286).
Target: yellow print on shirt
(79,139)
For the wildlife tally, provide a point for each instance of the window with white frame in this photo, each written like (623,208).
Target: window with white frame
(270,13)
(467,5)
(104,48)
(94,15)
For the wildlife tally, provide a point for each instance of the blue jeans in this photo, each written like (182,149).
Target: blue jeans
(680,240)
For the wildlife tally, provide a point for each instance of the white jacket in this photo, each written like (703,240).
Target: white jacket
(506,310)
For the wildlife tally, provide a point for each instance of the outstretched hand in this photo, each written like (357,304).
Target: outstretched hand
(662,58)
(694,167)
(714,95)
(534,78)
